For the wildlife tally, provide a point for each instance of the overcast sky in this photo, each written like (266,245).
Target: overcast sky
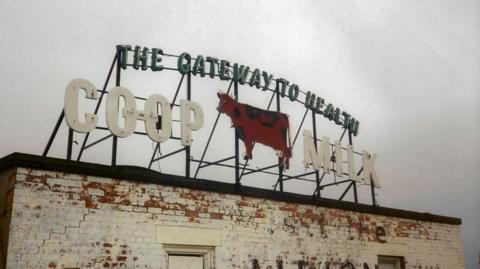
(408,71)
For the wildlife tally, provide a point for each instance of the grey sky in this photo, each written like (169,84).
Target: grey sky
(408,70)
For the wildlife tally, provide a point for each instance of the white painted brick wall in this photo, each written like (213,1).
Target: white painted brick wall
(72,221)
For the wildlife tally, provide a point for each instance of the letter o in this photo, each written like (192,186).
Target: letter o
(293,92)
(129,112)
(151,117)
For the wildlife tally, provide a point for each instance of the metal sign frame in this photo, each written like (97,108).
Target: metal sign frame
(239,168)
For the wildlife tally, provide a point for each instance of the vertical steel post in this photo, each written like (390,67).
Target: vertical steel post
(237,156)
(117,84)
(280,164)
(189,96)
(372,188)
(70,142)
(355,197)
(114,150)
(317,173)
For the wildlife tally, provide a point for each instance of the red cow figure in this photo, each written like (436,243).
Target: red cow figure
(257,125)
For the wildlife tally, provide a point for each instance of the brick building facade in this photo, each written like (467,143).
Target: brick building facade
(65,214)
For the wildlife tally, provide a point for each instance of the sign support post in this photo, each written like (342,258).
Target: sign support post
(372,188)
(189,97)
(117,84)
(354,183)
(280,163)
(317,173)
(70,142)
(237,157)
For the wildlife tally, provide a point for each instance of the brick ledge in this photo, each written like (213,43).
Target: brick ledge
(139,174)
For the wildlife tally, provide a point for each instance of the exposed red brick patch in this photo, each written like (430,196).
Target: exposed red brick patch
(196,196)
(37,179)
(106,199)
(243,203)
(152,203)
(260,214)
(289,208)
(216,216)
(191,214)
(89,203)
(52,265)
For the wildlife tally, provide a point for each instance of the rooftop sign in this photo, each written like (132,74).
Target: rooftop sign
(252,125)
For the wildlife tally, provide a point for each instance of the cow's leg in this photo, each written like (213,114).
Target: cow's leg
(286,154)
(248,146)
(286,161)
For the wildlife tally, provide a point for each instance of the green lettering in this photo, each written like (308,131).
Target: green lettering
(319,105)
(223,70)
(123,54)
(284,83)
(140,58)
(336,116)
(156,59)
(353,126)
(310,100)
(255,79)
(346,119)
(213,62)
(328,112)
(267,79)
(199,66)
(183,68)
(240,73)
(293,92)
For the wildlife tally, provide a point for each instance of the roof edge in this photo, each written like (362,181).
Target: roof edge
(140,174)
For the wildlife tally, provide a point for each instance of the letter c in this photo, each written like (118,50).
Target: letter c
(71,105)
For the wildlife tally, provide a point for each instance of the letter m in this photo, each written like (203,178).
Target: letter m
(320,159)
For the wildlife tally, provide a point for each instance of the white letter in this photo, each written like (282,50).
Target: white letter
(71,105)
(150,117)
(187,125)
(310,155)
(338,159)
(129,112)
(351,164)
(369,173)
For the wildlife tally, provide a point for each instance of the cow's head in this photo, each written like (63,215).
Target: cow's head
(226,104)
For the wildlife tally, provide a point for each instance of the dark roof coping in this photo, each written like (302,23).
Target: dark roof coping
(139,174)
